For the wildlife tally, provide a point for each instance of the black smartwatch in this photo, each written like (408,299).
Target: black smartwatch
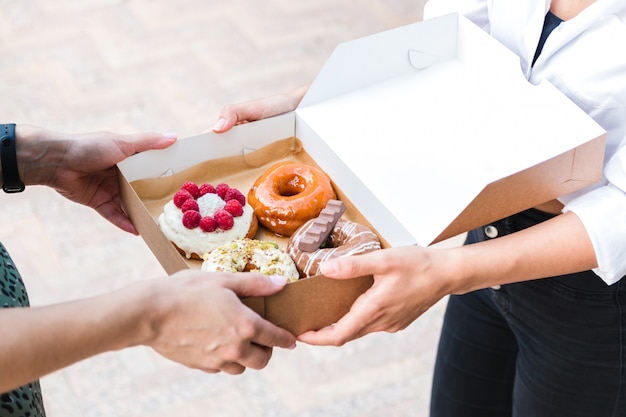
(11,182)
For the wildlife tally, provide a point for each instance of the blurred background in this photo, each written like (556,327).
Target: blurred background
(135,65)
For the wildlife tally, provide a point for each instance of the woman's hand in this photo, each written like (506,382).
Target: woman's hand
(203,324)
(409,280)
(193,317)
(82,167)
(257,109)
(404,288)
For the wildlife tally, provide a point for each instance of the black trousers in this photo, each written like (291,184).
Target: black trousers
(550,347)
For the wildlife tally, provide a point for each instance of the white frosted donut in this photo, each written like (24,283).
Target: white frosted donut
(251,255)
(193,240)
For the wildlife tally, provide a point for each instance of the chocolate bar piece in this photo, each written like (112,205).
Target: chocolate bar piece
(319,231)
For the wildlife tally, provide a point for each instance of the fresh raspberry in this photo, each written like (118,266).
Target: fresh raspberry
(234,207)
(234,193)
(192,187)
(208,224)
(191,219)
(224,219)
(206,189)
(221,190)
(190,204)
(180,197)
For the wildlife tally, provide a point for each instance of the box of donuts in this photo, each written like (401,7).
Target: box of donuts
(406,137)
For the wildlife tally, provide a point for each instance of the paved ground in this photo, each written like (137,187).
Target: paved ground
(131,65)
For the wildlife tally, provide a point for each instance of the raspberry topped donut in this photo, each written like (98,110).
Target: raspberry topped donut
(198,219)
(288,194)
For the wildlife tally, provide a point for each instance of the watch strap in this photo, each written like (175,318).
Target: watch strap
(11,182)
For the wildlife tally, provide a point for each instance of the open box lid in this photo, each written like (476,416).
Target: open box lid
(395,108)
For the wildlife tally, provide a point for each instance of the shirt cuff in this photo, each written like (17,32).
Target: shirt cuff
(603,213)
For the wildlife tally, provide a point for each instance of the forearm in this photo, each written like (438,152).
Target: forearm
(298,94)
(556,247)
(53,337)
(283,103)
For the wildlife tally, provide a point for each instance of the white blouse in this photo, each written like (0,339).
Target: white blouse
(584,58)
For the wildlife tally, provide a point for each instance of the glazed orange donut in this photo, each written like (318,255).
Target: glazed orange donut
(347,238)
(288,194)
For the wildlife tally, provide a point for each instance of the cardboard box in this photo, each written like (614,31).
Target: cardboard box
(427,131)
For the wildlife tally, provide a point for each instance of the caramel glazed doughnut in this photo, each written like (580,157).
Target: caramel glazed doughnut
(288,194)
(346,239)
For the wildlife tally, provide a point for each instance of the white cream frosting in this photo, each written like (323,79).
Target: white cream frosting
(195,240)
